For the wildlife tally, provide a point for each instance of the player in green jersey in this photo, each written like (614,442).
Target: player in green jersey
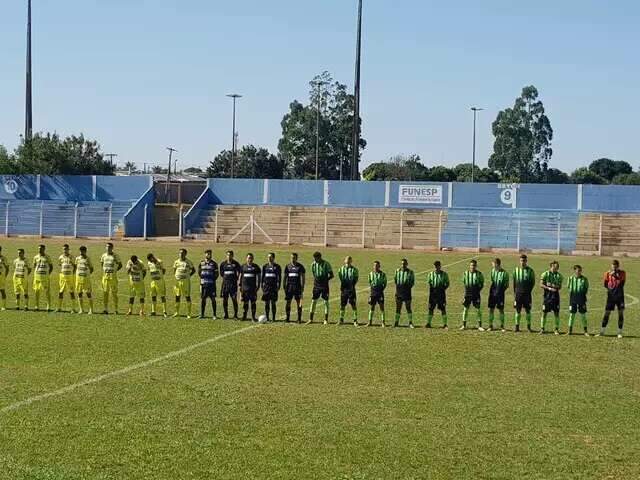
(404,279)
(473,282)
(438,282)
(524,279)
(322,275)
(551,283)
(499,286)
(578,286)
(348,276)
(378,283)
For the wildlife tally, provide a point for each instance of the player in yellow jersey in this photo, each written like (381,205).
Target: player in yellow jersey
(137,272)
(21,271)
(183,269)
(84,269)
(4,272)
(157,287)
(111,265)
(67,266)
(42,268)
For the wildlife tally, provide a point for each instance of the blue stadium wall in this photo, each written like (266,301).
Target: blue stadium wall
(82,205)
(472,209)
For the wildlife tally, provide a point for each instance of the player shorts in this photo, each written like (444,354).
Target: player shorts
(40,284)
(471,299)
(376,298)
(439,302)
(320,292)
(249,295)
(110,283)
(182,288)
(551,302)
(348,297)
(208,291)
(66,283)
(613,303)
(157,288)
(293,293)
(83,284)
(522,300)
(578,308)
(3,281)
(496,300)
(20,286)
(269,295)
(403,294)
(136,289)
(229,289)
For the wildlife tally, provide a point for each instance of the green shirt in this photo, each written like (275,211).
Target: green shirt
(579,285)
(500,279)
(438,280)
(523,279)
(348,275)
(321,272)
(552,279)
(405,278)
(378,280)
(473,279)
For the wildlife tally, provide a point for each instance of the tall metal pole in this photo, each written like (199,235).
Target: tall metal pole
(356,110)
(28,120)
(166,188)
(475,111)
(234,96)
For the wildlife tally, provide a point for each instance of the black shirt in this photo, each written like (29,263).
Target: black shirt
(250,275)
(293,276)
(230,272)
(271,277)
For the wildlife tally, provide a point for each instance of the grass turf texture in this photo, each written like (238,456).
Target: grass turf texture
(289,401)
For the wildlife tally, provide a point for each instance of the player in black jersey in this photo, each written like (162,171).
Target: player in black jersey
(249,284)
(271,280)
(293,281)
(230,274)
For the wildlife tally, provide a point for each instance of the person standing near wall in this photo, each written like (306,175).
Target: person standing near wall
(294,278)
(42,268)
(21,272)
(137,272)
(208,273)
(67,266)
(578,286)
(614,281)
(322,275)
(348,275)
(249,284)
(473,282)
(524,279)
(551,283)
(157,286)
(378,284)
(183,270)
(230,272)
(438,283)
(84,270)
(499,286)
(271,281)
(404,280)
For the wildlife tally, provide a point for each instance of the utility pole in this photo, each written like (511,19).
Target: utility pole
(356,110)
(235,97)
(171,150)
(28,120)
(475,111)
(111,156)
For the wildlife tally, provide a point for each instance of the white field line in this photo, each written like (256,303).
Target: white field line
(123,371)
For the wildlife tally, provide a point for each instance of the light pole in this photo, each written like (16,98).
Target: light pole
(475,111)
(356,108)
(235,97)
(28,114)
(111,157)
(171,150)
(318,84)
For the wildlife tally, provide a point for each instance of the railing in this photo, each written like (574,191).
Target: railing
(138,221)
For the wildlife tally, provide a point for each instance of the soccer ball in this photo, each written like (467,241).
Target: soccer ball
(262,319)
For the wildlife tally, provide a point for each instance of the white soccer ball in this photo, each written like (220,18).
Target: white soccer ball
(263,319)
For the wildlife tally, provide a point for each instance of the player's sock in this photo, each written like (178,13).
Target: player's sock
(370,317)
(59,303)
(492,317)
(383,316)
(91,304)
(203,306)
(479,312)
(342,312)
(620,321)
(557,322)
(254,308)
(583,317)
(502,319)
(465,314)
(326,309)
(543,321)
(225,307)
(355,314)
(115,302)
(300,314)
(529,320)
(214,305)
(18,302)
(273,310)
(235,307)
(517,319)
(80,303)
(397,319)
(410,315)
(445,320)
(267,309)
(430,319)
(287,310)
(312,309)
(572,318)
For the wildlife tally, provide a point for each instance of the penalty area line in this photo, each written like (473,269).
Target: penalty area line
(123,371)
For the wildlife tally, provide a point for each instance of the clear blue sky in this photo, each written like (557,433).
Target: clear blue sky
(139,75)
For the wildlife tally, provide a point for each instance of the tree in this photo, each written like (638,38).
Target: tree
(250,162)
(157,169)
(553,175)
(193,171)
(462,173)
(441,173)
(585,176)
(7,162)
(297,147)
(397,168)
(609,169)
(50,155)
(523,135)
(627,179)
(130,167)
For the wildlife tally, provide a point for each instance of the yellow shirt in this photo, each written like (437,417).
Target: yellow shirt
(183,268)
(41,265)
(20,268)
(156,270)
(135,270)
(66,264)
(83,266)
(110,263)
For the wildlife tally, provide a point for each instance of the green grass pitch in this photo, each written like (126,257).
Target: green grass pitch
(151,398)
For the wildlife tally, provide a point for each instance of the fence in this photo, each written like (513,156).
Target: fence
(95,219)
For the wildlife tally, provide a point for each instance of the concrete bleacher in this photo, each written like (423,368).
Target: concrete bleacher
(609,234)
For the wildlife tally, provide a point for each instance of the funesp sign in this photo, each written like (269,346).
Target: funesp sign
(431,194)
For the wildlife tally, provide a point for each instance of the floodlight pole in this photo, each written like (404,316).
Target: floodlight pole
(28,120)
(235,97)
(475,111)
(356,109)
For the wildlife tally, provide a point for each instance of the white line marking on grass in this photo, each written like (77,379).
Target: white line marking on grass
(122,371)
(635,301)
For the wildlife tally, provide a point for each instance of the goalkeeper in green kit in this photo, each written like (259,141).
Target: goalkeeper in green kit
(551,282)
(578,286)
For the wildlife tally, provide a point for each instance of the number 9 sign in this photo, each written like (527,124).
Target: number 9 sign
(508,196)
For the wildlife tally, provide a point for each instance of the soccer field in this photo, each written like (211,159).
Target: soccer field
(97,397)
